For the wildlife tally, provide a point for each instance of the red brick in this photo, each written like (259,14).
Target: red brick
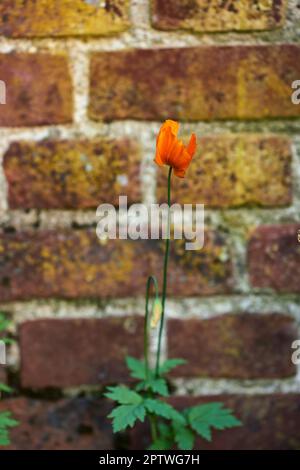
(38,88)
(92,351)
(74,424)
(59,18)
(70,175)
(244,346)
(274,257)
(270,422)
(235,170)
(204,83)
(74,264)
(213,15)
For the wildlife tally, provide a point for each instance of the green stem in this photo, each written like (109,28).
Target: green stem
(153,427)
(165,272)
(151,279)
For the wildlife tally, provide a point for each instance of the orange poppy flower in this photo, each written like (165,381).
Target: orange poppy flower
(171,151)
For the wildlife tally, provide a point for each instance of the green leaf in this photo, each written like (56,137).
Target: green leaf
(203,418)
(170,364)
(6,421)
(4,323)
(4,438)
(165,440)
(8,340)
(161,444)
(184,437)
(136,367)
(160,408)
(155,385)
(123,395)
(5,388)
(165,430)
(125,416)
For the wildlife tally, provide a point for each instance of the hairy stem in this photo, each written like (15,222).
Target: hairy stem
(150,280)
(153,280)
(165,272)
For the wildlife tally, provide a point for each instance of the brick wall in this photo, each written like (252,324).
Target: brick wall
(88,84)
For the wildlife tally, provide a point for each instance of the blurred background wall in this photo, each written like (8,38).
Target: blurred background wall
(88,84)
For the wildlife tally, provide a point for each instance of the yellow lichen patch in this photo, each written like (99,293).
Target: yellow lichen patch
(260,87)
(65,174)
(235,170)
(214,15)
(62,17)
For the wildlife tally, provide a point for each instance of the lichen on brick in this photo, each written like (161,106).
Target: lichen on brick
(58,18)
(232,170)
(72,174)
(197,83)
(216,15)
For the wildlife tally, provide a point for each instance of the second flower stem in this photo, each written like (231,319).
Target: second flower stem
(165,272)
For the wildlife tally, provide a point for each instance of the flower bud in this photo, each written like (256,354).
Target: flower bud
(156,313)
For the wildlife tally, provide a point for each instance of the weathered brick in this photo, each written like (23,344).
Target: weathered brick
(92,351)
(204,83)
(70,175)
(245,346)
(213,15)
(235,170)
(58,18)
(274,257)
(38,88)
(74,424)
(270,422)
(75,264)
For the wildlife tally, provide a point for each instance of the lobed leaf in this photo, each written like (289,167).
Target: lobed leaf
(136,367)
(123,395)
(170,364)
(125,416)
(160,408)
(6,421)
(155,385)
(184,437)
(203,418)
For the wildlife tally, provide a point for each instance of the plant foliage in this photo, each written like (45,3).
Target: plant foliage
(6,420)
(147,398)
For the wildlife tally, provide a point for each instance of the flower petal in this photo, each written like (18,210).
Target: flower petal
(173,125)
(165,144)
(179,172)
(191,148)
(171,151)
